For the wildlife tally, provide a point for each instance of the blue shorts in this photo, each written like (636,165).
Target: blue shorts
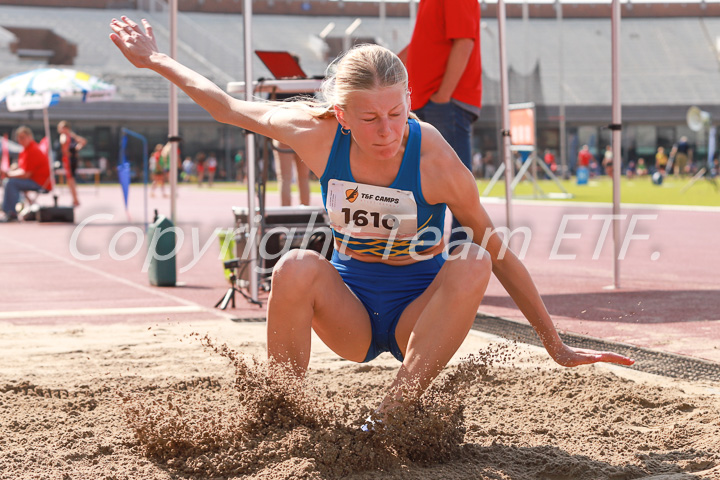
(385,291)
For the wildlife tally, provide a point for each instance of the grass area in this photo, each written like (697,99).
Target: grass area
(637,190)
(599,190)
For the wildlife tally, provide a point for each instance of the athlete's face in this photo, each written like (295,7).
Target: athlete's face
(377,119)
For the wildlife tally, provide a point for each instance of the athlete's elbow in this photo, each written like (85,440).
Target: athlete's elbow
(220,112)
(218,115)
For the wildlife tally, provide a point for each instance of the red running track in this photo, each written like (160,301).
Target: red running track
(670,276)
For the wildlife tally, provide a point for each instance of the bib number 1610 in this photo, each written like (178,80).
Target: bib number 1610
(362,218)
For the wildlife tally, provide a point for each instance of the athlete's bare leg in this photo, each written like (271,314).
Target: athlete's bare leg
(73,190)
(434,325)
(308,294)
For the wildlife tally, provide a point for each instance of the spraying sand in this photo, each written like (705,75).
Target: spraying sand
(170,400)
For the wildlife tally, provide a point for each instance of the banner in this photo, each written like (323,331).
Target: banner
(522,126)
(19,103)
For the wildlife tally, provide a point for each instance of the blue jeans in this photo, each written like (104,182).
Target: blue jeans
(13,187)
(455,125)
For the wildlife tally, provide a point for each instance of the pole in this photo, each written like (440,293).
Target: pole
(46,125)
(173,117)
(616,138)
(250,152)
(561,92)
(145,181)
(383,16)
(505,101)
(525,20)
(347,39)
(413,14)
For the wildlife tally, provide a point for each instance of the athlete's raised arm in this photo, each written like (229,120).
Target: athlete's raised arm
(140,48)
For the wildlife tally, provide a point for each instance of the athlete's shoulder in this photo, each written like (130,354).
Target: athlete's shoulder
(434,149)
(442,173)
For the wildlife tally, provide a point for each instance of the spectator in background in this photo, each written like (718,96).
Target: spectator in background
(157,171)
(584,157)
(477,164)
(188,168)
(631,168)
(200,167)
(211,167)
(583,170)
(240,166)
(641,168)
(607,161)
(445,72)
(489,168)
(681,155)
(285,158)
(288,164)
(550,161)
(102,165)
(70,144)
(32,173)
(661,160)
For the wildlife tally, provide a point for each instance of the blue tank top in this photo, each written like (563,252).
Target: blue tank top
(388,221)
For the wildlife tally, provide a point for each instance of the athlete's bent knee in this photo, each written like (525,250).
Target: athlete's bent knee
(471,270)
(297,268)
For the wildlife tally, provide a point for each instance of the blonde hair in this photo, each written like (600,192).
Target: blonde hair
(363,67)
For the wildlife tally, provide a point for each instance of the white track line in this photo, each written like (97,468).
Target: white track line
(99,312)
(601,205)
(157,293)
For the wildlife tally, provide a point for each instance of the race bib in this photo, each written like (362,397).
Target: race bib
(369,211)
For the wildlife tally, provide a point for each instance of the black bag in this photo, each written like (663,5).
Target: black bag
(56,214)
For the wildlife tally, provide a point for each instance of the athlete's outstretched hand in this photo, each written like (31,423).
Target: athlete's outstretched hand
(572,357)
(137,45)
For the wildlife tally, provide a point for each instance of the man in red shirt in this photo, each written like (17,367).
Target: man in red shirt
(31,174)
(445,73)
(584,157)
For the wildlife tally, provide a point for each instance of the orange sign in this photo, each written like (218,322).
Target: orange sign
(522,126)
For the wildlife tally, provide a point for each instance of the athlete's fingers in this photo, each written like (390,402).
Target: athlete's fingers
(122,29)
(572,357)
(130,23)
(148,29)
(611,357)
(117,26)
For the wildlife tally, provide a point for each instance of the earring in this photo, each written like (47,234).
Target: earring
(344,131)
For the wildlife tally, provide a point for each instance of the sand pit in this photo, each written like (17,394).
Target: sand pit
(159,402)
